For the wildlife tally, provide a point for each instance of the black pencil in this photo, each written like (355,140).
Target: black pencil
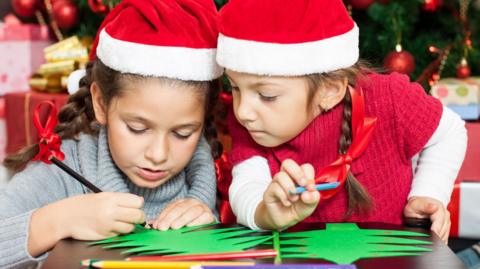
(75,175)
(79,178)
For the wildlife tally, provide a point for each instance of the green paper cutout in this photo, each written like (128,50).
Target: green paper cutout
(341,243)
(186,240)
(276,246)
(344,243)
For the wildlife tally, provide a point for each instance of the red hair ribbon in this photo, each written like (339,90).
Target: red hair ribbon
(50,142)
(362,131)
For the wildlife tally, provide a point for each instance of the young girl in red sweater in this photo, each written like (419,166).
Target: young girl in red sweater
(307,111)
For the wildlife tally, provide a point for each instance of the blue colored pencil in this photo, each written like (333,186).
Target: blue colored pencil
(318,187)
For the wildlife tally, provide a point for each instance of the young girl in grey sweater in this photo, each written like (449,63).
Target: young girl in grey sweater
(134,129)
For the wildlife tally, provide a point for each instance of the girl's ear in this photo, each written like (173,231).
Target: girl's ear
(329,96)
(98,105)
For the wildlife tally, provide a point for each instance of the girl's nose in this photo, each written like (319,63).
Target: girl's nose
(244,111)
(157,151)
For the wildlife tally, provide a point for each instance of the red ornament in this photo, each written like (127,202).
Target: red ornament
(25,8)
(432,5)
(360,4)
(65,14)
(463,70)
(97,6)
(226,98)
(400,61)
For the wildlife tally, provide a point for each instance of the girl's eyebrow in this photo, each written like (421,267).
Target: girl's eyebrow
(263,83)
(194,125)
(137,118)
(256,84)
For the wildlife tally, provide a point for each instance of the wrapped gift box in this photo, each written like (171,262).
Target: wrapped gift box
(452,91)
(461,95)
(19,109)
(465,200)
(21,47)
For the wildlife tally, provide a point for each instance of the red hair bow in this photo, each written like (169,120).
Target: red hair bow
(50,142)
(362,131)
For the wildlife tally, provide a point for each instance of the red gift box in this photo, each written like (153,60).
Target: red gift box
(19,109)
(21,47)
(465,200)
(3,131)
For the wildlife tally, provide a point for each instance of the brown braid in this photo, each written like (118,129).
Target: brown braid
(210,129)
(78,115)
(358,198)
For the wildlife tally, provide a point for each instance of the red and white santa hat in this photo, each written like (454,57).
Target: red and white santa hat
(164,38)
(286,38)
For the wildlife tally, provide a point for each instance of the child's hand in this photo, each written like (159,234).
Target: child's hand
(425,207)
(283,208)
(183,212)
(100,215)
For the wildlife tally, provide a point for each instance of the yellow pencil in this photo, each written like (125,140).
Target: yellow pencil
(158,265)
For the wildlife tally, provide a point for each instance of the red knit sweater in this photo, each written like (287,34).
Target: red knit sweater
(407,118)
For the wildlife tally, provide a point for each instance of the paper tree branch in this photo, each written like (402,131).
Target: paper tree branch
(341,243)
(344,243)
(187,240)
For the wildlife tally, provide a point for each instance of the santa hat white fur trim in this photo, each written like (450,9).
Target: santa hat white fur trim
(277,59)
(173,62)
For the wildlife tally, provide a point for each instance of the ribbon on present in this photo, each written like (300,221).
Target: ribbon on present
(50,142)
(362,131)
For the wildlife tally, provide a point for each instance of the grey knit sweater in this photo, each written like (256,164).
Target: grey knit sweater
(40,184)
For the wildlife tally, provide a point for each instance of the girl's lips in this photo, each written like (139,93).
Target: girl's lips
(152,175)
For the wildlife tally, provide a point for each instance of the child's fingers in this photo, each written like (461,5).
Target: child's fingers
(123,227)
(188,216)
(275,193)
(204,218)
(166,222)
(130,215)
(309,173)
(286,183)
(171,206)
(445,230)
(438,222)
(294,171)
(420,208)
(310,197)
(128,200)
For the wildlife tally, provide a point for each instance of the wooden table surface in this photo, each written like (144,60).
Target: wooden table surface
(69,253)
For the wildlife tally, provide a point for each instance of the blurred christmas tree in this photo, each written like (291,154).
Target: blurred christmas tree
(426,39)
(65,17)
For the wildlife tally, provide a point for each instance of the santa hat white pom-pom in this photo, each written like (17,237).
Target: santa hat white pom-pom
(73,83)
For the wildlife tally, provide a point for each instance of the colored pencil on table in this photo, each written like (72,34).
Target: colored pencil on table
(283,266)
(248,254)
(157,265)
(318,187)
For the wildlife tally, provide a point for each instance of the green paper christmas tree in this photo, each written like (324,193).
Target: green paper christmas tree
(341,243)
(187,240)
(344,243)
